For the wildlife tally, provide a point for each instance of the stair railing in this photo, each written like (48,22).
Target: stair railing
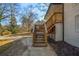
(46,32)
(33,33)
(45,28)
(33,28)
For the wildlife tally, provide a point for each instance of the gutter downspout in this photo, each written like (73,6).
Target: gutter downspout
(63,20)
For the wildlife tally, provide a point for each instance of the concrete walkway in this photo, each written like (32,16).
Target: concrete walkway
(23,47)
(40,51)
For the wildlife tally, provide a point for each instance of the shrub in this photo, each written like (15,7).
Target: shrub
(6,32)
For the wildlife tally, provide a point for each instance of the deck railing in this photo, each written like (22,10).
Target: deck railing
(55,18)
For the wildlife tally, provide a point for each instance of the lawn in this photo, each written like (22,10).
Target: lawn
(5,44)
(5,41)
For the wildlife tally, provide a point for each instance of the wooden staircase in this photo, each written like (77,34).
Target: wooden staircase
(39,36)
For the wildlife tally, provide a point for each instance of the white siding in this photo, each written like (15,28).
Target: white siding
(59,32)
(70,34)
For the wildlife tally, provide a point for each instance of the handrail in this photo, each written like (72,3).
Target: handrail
(33,33)
(46,32)
(45,28)
(33,28)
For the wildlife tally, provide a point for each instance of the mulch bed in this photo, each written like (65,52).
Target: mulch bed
(64,49)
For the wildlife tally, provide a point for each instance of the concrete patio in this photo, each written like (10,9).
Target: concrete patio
(23,47)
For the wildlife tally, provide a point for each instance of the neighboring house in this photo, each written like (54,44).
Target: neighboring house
(63,22)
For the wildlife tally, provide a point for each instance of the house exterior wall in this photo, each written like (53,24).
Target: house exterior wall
(59,32)
(70,34)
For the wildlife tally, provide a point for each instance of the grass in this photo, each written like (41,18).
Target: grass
(5,44)
(5,47)
(5,41)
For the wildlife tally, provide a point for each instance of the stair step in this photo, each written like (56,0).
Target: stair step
(40,37)
(39,32)
(39,45)
(39,27)
(42,30)
(39,42)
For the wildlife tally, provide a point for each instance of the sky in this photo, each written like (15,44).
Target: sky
(39,9)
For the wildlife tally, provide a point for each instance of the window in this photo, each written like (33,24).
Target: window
(75,4)
(77,23)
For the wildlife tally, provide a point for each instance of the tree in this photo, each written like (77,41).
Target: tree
(28,18)
(27,21)
(13,13)
(4,13)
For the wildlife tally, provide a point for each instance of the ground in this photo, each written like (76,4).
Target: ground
(23,47)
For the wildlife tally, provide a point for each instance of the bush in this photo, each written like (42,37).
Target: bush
(6,32)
